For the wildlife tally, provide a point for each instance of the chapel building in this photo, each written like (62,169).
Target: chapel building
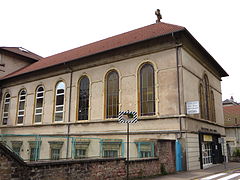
(67,105)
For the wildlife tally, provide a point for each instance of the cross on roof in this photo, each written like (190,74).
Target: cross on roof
(159,16)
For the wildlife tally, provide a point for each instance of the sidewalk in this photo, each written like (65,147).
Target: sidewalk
(196,174)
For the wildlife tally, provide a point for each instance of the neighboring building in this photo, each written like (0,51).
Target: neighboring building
(15,58)
(154,70)
(230,102)
(231,111)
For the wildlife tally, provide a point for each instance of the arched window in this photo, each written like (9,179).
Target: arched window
(207,103)
(112,94)
(201,97)
(147,90)
(21,106)
(83,98)
(59,101)
(206,96)
(6,104)
(213,114)
(38,112)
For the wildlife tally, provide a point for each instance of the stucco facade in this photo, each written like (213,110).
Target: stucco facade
(178,70)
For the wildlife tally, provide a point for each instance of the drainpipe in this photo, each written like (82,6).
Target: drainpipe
(178,86)
(69,109)
(179,98)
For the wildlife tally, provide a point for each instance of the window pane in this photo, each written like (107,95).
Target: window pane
(6,106)
(145,154)
(39,103)
(55,154)
(39,111)
(60,100)
(147,90)
(80,153)
(20,120)
(112,94)
(59,108)
(21,113)
(22,98)
(23,92)
(60,91)
(61,85)
(4,121)
(34,154)
(39,95)
(5,114)
(110,153)
(38,118)
(21,105)
(58,116)
(40,89)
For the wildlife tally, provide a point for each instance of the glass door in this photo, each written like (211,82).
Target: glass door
(207,154)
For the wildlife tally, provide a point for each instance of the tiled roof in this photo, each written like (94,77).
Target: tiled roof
(128,38)
(231,110)
(138,35)
(23,52)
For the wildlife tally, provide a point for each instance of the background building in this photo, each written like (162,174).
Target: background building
(231,111)
(66,105)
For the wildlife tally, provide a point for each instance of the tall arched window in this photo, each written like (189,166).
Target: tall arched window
(83,98)
(206,100)
(147,90)
(5,111)
(213,114)
(206,96)
(112,94)
(38,112)
(21,106)
(59,101)
(201,98)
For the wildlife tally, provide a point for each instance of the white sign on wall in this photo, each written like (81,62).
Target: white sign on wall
(192,107)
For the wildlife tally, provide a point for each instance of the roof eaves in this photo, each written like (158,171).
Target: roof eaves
(72,60)
(31,56)
(222,72)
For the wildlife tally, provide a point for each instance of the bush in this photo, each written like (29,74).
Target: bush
(236,152)
(163,170)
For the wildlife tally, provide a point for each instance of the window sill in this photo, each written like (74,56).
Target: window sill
(148,117)
(19,124)
(111,119)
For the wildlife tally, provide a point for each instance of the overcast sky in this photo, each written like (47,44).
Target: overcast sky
(47,27)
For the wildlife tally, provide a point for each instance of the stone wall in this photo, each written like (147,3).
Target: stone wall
(166,152)
(144,167)
(12,167)
(78,169)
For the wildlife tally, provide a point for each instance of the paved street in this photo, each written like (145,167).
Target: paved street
(218,172)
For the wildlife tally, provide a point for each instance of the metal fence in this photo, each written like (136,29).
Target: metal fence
(31,147)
